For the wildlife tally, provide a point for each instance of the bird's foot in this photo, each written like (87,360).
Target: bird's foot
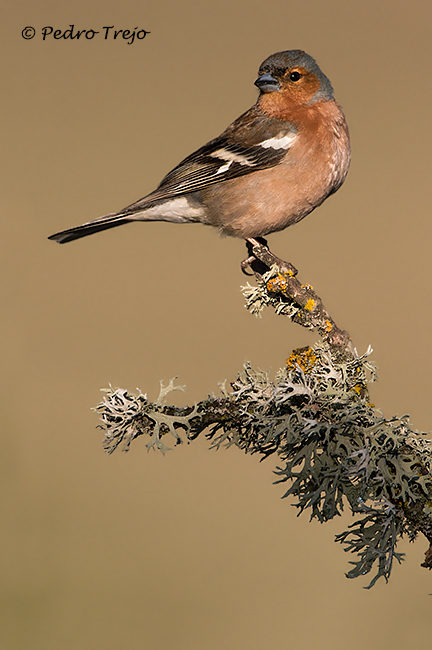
(251,261)
(264,259)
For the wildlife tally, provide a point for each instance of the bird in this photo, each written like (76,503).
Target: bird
(269,169)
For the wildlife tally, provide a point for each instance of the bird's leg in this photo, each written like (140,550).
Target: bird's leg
(255,264)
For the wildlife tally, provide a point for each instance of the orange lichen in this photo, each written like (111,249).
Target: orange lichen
(303,357)
(362,391)
(310,305)
(277,284)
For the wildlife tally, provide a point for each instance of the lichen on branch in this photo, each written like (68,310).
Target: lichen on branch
(333,447)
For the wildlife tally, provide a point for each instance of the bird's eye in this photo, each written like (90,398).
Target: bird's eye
(295,76)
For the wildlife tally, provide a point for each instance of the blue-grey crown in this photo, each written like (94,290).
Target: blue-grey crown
(277,64)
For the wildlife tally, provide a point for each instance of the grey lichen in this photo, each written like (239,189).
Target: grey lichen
(257,297)
(334,448)
(126,416)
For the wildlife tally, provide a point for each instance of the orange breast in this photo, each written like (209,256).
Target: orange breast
(269,200)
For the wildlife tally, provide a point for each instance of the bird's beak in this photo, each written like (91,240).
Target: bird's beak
(267,83)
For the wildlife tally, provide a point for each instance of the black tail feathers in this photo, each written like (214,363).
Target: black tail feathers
(88,229)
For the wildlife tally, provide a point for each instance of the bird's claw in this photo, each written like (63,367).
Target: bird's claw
(251,261)
(247,262)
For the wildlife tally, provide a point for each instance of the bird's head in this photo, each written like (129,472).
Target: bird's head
(294,77)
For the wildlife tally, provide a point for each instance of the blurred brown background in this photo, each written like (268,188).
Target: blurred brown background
(194,550)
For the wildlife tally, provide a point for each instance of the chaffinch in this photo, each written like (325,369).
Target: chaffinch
(268,169)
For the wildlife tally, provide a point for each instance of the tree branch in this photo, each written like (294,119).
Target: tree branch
(311,311)
(334,447)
